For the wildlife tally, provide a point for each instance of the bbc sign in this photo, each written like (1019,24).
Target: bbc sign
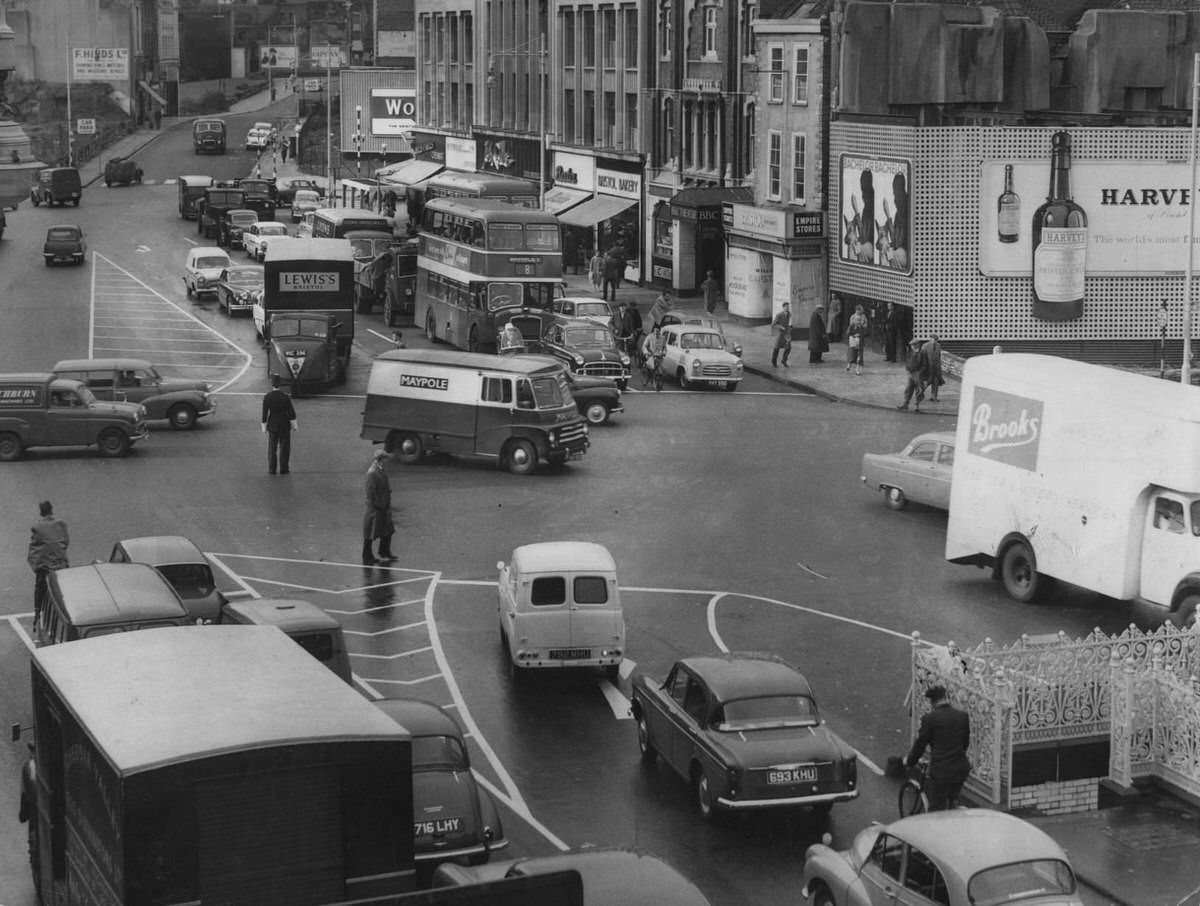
(393,111)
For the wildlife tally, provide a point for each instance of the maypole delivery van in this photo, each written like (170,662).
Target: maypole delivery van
(1082,473)
(517,409)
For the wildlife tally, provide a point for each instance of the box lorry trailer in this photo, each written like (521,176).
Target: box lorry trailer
(211,764)
(1081,473)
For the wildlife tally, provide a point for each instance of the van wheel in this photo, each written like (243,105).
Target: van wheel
(895,499)
(408,448)
(113,444)
(596,413)
(520,457)
(1185,614)
(1018,572)
(182,417)
(10,447)
(430,330)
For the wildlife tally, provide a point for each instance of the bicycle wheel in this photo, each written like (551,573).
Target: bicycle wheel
(657,378)
(913,800)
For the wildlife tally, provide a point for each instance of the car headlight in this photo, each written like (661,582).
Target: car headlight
(625,360)
(695,365)
(201,280)
(737,366)
(578,360)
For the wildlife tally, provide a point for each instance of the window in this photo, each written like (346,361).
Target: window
(630,50)
(568,40)
(589,37)
(590,590)
(923,451)
(1168,514)
(774,164)
(609,38)
(452,37)
(610,118)
(589,117)
(664,31)
(631,120)
(439,39)
(710,31)
(946,455)
(497,390)
(800,74)
(923,877)
(668,150)
(568,114)
(749,12)
(468,54)
(775,74)
(798,167)
(748,131)
(547,591)
(693,702)
(676,685)
(888,856)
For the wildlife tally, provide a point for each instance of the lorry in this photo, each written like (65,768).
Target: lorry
(211,764)
(191,190)
(260,195)
(211,209)
(1080,473)
(517,410)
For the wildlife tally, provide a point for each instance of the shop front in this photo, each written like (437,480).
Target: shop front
(695,237)
(609,219)
(775,255)
(574,182)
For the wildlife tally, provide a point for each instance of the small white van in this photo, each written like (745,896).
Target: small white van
(560,607)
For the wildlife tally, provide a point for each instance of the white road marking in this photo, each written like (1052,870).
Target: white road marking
(618,702)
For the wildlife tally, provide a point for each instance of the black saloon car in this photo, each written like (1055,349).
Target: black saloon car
(745,731)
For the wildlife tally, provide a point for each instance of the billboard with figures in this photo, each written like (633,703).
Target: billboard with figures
(876,216)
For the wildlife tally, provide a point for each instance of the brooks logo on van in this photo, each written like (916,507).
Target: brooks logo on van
(424,383)
(1005,428)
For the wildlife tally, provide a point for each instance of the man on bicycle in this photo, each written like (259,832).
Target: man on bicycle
(946,731)
(655,349)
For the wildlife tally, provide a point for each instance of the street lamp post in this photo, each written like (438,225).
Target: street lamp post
(1185,370)
(358,138)
(540,53)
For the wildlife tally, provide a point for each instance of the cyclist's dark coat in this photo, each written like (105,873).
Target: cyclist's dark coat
(947,732)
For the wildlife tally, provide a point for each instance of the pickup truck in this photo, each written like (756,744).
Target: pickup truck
(43,410)
(64,242)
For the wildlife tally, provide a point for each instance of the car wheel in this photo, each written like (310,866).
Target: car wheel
(731,386)
(75,202)
(596,413)
(705,799)
(182,417)
(430,330)
(473,340)
(895,499)
(821,896)
(49,261)
(684,383)
(10,447)
(644,745)
(520,457)
(1185,614)
(409,449)
(113,443)
(108,183)
(1018,572)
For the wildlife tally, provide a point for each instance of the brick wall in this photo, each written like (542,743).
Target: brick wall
(1057,797)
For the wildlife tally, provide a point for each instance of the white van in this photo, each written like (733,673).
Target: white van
(560,607)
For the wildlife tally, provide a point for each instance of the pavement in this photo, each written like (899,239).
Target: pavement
(1139,852)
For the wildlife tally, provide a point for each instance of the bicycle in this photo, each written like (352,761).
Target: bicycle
(652,371)
(913,800)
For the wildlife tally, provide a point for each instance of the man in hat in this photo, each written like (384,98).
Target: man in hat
(377,522)
(278,423)
(818,343)
(915,366)
(946,731)
(782,325)
(48,542)
(932,350)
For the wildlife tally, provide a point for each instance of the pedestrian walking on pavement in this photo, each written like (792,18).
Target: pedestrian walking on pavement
(48,544)
(891,332)
(596,270)
(614,269)
(782,325)
(932,350)
(711,288)
(278,423)
(915,368)
(377,521)
(856,339)
(946,732)
(818,345)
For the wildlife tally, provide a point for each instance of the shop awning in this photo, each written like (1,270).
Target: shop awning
(596,210)
(559,198)
(408,172)
(145,86)
(701,198)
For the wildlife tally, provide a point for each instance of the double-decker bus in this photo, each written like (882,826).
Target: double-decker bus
(478,257)
(513,189)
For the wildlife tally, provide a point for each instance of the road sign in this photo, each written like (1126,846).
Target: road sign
(329,56)
(313,84)
(85,127)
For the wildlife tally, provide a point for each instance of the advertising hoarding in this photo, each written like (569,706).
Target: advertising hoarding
(392,111)
(99,64)
(876,214)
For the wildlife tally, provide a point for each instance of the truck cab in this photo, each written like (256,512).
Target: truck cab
(305,350)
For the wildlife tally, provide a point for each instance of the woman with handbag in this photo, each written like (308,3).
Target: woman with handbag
(856,337)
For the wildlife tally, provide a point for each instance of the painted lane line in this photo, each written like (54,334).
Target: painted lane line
(391,657)
(380,632)
(403,682)
(381,607)
(618,702)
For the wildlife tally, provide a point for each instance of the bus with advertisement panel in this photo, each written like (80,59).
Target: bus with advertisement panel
(476,258)
(335,223)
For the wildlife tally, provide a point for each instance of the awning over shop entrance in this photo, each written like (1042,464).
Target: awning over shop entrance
(408,172)
(596,210)
(559,198)
(701,198)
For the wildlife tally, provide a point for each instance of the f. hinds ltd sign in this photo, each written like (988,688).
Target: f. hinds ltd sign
(1005,428)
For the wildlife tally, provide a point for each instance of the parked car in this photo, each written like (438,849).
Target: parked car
(287,191)
(122,170)
(560,606)
(183,565)
(920,472)
(585,346)
(44,410)
(64,242)
(585,307)
(961,857)
(745,731)
(178,400)
(258,235)
(680,316)
(596,398)
(305,201)
(697,355)
(453,819)
(611,877)
(202,270)
(56,185)
(234,225)
(238,287)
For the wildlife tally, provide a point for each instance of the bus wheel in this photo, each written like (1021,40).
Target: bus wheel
(430,330)
(520,457)
(408,448)
(473,340)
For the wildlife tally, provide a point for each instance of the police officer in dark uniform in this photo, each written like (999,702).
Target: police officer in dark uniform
(278,421)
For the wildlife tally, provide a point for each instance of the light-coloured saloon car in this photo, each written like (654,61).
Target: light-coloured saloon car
(920,472)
